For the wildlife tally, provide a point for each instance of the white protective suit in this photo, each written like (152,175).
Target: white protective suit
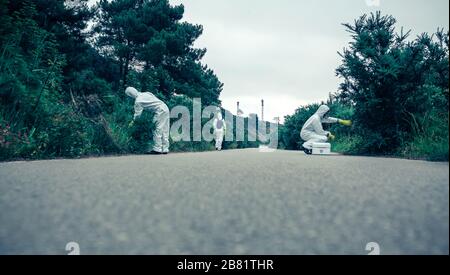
(148,101)
(313,131)
(219,130)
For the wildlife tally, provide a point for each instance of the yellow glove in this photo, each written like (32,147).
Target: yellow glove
(331,137)
(345,122)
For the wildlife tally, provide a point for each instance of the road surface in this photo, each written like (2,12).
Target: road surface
(231,202)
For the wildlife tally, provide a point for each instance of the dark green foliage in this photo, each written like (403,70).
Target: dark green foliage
(392,83)
(62,97)
(30,76)
(395,91)
(149,34)
(141,133)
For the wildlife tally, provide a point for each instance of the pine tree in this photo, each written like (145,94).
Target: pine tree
(146,36)
(388,79)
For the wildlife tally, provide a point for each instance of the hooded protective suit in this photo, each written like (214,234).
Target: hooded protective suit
(148,101)
(313,131)
(219,130)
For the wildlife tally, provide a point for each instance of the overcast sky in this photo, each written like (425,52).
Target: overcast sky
(285,51)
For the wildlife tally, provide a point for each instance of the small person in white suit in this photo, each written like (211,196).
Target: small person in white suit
(220,128)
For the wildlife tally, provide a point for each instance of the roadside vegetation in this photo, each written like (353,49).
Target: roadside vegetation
(394,88)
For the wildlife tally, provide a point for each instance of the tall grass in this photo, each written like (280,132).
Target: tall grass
(431,138)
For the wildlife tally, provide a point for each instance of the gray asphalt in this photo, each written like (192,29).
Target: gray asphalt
(232,202)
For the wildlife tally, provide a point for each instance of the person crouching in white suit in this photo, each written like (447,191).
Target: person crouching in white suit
(148,101)
(313,132)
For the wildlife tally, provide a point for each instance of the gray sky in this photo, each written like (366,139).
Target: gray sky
(285,51)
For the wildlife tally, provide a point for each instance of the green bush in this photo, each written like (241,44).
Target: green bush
(62,96)
(142,133)
(348,144)
(432,141)
(395,91)
(426,147)
(62,134)
(393,83)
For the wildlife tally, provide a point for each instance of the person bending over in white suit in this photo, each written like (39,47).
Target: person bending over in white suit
(313,132)
(148,101)
(219,130)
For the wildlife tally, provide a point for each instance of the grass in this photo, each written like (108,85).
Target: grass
(428,148)
(346,144)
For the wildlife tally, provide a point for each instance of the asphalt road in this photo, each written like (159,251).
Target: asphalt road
(232,202)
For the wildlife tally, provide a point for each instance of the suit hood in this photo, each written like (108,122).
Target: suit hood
(323,110)
(132,92)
